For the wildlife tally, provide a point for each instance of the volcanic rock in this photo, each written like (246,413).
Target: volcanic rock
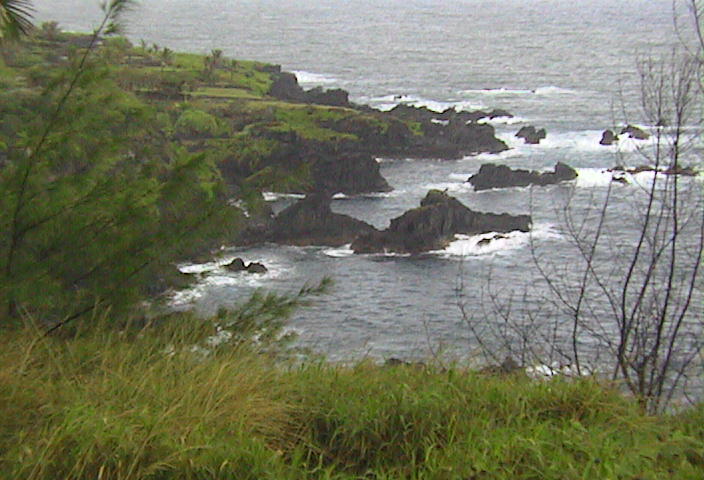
(349,173)
(311,222)
(501,176)
(238,265)
(674,170)
(530,135)
(608,137)
(256,267)
(635,132)
(285,87)
(433,226)
(336,97)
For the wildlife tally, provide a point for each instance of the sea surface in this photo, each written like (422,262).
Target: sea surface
(570,67)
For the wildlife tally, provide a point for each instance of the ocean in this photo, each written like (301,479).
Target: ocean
(569,67)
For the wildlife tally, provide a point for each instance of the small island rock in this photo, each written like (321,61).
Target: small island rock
(501,176)
(311,222)
(531,135)
(608,138)
(434,224)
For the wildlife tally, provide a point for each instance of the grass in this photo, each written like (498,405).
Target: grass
(152,403)
(224,92)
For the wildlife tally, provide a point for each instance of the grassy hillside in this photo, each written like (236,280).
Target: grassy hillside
(224,99)
(163,403)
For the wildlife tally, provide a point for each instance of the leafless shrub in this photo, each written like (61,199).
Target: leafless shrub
(629,304)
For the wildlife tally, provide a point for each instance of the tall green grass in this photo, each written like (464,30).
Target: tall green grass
(157,403)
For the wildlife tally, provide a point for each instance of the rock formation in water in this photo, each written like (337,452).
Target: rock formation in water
(238,265)
(635,133)
(531,135)
(608,137)
(678,170)
(311,222)
(501,176)
(434,224)
(349,173)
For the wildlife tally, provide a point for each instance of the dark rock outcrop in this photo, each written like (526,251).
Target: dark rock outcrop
(311,222)
(634,132)
(238,265)
(335,97)
(487,241)
(285,87)
(678,170)
(608,138)
(256,267)
(433,226)
(449,134)
(348,173)
(501,176)
(531,135)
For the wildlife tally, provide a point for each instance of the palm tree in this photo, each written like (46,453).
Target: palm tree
(15,18)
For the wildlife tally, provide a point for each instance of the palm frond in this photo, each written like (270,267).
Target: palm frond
(15,18)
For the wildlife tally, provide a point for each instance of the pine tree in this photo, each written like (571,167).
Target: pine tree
(95,201)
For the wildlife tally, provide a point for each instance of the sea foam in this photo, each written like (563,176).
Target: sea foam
(309,79)
(498,243)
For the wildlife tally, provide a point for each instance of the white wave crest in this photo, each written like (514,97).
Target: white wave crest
(496,243)
(309,79)
(341,252)
(553,90)
(602,178)
(504,120)
(460,177)
(214,274)
(388,102)
(452,187)
(512,92)
(274,196)
(494,157)
(581,141)
(496,91)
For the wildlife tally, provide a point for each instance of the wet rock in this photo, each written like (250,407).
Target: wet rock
(608,138)
(434,224)
(256,267)
(487,241)
(619,178)
(674,170)
(285,87)
(449,134)
(348,173)
(501,176)
(311,222)
(635,133)
(236,265)
(531,135)
(335,97)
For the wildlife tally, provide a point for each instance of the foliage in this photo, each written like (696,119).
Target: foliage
(195,123)
(167,401)
(96,202)
(627,305)
(15,18)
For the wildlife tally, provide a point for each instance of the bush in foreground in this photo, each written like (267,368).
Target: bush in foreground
(161,402)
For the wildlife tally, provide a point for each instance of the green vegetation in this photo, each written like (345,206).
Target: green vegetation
(162,402)
(116,161)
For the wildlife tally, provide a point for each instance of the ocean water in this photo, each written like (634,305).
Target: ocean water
(570,67)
